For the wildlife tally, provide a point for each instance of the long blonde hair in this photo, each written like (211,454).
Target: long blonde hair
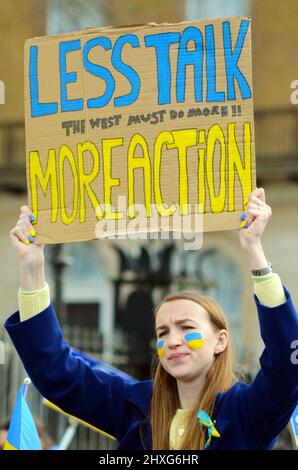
(219,378)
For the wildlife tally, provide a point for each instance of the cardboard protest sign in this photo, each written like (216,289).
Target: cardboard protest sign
(131,128)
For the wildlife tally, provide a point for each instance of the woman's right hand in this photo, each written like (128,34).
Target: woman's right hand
(31,255)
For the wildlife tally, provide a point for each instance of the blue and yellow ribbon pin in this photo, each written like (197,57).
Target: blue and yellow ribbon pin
(205,420)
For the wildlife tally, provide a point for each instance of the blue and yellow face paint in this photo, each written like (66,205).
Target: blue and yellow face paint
(160,346)
(194,340)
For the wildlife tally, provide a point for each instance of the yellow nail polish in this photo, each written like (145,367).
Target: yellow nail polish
(243,224)
(26,241)
(32,232)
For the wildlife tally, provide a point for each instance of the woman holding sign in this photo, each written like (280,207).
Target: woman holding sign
(195,401)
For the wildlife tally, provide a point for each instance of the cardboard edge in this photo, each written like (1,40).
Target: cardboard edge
(109,28)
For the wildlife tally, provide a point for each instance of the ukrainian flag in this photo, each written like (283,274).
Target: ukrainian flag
(22,432)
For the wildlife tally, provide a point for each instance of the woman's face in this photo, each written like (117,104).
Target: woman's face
(186,340)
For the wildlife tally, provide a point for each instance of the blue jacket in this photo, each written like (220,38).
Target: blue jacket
(247,416)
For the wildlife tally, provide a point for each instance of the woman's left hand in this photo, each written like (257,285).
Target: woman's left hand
(255,218)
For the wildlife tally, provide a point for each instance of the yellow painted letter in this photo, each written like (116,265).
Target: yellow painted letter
(109,182)
(243,169)
(217,203)
(36,174)
(66,154)
(132,164)
(86,179)
(183,140)
(162,139)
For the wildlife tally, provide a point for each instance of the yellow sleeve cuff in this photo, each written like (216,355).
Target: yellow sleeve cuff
(33,302)
(269,290)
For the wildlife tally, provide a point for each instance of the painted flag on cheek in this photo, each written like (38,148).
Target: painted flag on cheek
(22,432)
(160,348)
(194,340)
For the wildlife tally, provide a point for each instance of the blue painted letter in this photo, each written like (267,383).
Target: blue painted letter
(100,72)
(212,94)
(68,77)
(162,43)
(186,57)
(37,108)
(126,70)
(232,57)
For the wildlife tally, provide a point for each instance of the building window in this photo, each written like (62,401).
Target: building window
(205,9)
(64,16)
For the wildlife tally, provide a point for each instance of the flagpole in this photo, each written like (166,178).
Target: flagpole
(68,435)
(27,382)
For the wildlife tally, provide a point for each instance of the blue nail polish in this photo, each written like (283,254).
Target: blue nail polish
(242,216)
(31,239)
(31,218)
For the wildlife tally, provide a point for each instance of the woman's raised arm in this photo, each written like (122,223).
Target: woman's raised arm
(31,256)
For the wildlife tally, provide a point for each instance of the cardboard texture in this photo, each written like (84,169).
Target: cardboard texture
(158,115)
